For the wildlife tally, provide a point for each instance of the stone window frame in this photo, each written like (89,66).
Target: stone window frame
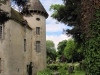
(0,66)
(1,31)
(38,45)
(24,44)
(38,30)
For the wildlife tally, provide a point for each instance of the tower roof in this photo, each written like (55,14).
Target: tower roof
(37,7)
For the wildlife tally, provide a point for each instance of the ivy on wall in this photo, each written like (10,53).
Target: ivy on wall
(92,46)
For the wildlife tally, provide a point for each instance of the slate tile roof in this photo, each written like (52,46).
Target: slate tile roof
(36,5)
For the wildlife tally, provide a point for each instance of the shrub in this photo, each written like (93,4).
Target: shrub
(45,72)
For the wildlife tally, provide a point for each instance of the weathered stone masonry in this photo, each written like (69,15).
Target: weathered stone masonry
(21,44)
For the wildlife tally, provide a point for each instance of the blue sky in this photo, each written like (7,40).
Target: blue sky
(54,29)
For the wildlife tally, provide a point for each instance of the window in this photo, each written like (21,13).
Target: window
(24,44)
(0,65)
(1,31)
(38,46)
(38,30)
(38,19)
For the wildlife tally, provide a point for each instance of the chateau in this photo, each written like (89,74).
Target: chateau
(23,40)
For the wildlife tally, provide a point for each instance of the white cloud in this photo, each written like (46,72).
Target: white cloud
(53,27)
(56,39)
(48,3)
(51,24)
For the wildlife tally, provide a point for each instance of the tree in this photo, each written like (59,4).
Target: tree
(21,2)
(84,16)
(70,50)
(69,14)
(51,51)
(61,46)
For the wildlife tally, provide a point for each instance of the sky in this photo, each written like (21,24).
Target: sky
(54,29)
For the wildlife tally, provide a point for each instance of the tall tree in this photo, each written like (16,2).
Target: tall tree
(61,47)
(69,14)
(91,24)
(21,2)
(51,51)
(72,52)
(84,16)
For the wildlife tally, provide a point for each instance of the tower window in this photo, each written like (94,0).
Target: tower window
(1,31)
(0,65)
(37,46)
(38,19)
(24,44)
(38,30)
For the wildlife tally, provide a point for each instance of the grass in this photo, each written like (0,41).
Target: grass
(78,73)
(62,69)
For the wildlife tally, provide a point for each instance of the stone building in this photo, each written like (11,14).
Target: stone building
(23,40)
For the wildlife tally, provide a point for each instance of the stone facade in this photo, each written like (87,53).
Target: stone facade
(22,44)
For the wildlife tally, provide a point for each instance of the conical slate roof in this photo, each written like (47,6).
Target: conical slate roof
(35,5)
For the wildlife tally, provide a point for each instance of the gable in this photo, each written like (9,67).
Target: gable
(16,16)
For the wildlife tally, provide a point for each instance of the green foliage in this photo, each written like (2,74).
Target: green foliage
(63,70)
(60,69)
(92,46)
(69,14)
(61,47)
(58,66)
(45,72)
(69,49)
(50,48)
(72,51)
(20,2)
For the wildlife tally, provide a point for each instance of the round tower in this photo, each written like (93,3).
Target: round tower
(37,22)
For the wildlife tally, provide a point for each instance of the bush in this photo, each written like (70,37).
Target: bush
(56,67)
(45,72)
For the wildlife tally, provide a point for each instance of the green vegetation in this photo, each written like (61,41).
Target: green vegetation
(51,51)
(61,69)
(92,49)
(61,46)
(68,54)
(84,17)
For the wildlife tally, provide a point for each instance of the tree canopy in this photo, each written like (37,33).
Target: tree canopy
(51,51)
(61,46)
(21,2)
(72,52)
(69,14)
(84,16)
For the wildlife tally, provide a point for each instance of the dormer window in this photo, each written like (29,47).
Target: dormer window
(1,31)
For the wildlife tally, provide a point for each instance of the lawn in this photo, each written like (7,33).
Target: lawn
(61,69)
(78,73)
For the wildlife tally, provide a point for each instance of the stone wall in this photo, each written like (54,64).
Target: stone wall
(38,58)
